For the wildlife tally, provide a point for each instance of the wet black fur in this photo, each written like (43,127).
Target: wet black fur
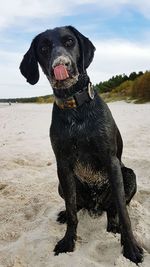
(87,134)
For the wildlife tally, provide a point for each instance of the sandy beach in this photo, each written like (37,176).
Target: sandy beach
(29,200)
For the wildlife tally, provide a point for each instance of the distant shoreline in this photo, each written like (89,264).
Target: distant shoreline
(107,97)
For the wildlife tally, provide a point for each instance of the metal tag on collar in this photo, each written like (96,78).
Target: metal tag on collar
(91,91)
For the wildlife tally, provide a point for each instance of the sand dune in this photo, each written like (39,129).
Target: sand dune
(29,201)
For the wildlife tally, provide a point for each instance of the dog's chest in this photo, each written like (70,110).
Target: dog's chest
(87,174)
(79,137)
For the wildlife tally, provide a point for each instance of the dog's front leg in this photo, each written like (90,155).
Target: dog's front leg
(68,185)
(131,249)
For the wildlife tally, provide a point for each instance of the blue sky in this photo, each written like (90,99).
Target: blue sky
(119,29)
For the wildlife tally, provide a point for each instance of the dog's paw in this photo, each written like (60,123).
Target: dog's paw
(62,217)
(133,252)
(112,227)
(64,245)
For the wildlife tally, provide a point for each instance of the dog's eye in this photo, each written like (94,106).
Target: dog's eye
(45,49)
(68,42)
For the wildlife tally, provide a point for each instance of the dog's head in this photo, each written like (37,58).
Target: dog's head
(63,53)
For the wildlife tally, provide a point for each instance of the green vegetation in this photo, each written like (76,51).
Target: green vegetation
(135,87)
(115,81)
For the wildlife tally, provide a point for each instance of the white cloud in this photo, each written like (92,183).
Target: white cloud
(143,7)
(114,57)
(14,12)
(13,84)
(11,12)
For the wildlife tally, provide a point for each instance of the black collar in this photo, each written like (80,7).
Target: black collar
(76,95)
(79,98)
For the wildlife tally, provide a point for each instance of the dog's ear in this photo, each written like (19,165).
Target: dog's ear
(87,49)
(29,65)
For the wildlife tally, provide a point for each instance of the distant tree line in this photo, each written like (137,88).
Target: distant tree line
(135,86)
(115,81)
(137,89)
(37,99)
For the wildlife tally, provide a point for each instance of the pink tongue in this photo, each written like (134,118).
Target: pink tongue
(60,73)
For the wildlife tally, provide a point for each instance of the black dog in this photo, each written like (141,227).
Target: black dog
(85,139)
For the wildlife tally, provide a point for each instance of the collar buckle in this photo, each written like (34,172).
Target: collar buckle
(91,91)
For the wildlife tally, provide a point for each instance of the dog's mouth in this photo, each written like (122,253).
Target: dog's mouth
(62,77)
(61,73)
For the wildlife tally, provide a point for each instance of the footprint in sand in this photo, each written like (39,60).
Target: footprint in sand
(3,186)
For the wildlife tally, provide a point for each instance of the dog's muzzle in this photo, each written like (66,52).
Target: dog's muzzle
(64,72)
(61,67)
